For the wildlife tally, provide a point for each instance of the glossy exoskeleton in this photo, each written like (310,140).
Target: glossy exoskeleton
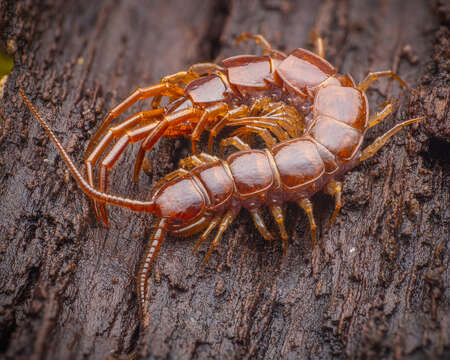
(208,192)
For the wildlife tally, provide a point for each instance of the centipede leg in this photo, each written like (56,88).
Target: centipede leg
(260,225)
(263,133)
(379,142)
(194,72)
(150,255)
(319,47)
(277,213)
(197,160)
(212,111)
(334,188)
(258,105)
(138,94)
(113,133)
(158,131)
(307,206)
(262,42)
(372,76)
(381,115)
(130,137)
(207,158)
(226,221)
(235,141)
(280,114)
(269,124)
(232,114)
(214,222)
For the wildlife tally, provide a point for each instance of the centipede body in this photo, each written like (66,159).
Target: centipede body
(312,119)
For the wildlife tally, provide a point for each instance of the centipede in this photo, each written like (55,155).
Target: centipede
(311,119)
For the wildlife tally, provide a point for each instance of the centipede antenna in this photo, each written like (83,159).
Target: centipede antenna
(136,205)
(150,255)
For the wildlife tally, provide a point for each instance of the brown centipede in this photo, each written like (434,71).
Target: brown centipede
(207,191)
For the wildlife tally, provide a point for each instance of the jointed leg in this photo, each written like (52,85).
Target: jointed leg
(129,137)
(282,120)
(307,206)
(259,39)
(334,188)
(287,125)
(319,47)
(236,142)
(192,228)
(232,114)
(118,130)
(262,42)
(151,252)
(379,142)
(194,72)
(214,222)
(168,121)
(381,115)
(287,111)
(261,106)
(263,133)
(139,94)
(277,212)
(372,76)
(132,137)
(285,116)
(197,160)
(260,225)
(226,221)
(278,113)
(113,133)
(289,119)
(212,111)
(270,124)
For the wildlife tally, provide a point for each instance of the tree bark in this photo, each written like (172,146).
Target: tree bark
(376,285)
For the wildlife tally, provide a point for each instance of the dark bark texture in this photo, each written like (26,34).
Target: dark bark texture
(376,285)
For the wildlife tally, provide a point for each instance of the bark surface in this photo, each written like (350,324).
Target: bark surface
(375,286)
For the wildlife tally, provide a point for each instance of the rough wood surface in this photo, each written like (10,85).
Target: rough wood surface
(375,286)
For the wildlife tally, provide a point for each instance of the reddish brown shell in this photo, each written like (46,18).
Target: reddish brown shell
(299,163)
(303,70)
(252,172)
(217,182)
(207,89)
(179,199)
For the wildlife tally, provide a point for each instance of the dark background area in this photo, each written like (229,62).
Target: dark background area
(375,286)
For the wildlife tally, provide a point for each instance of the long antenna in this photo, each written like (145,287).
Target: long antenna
(136,205)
